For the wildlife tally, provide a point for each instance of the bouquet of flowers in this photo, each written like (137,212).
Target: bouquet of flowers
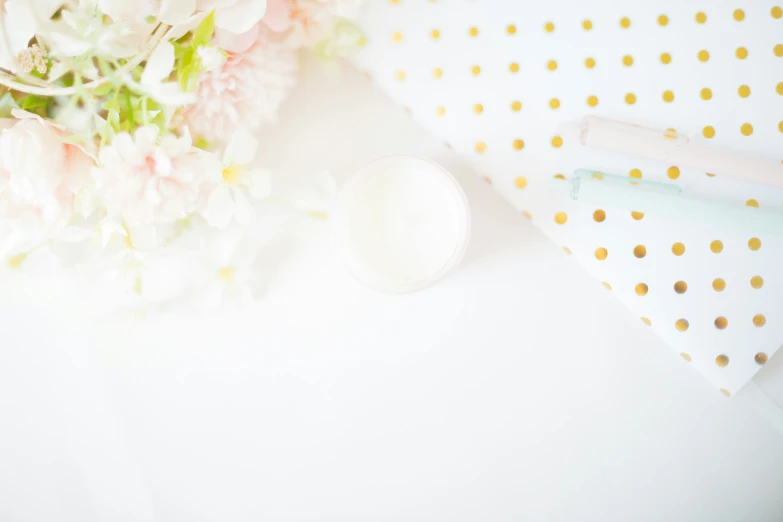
(126,126)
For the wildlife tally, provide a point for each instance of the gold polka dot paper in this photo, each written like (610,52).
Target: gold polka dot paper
(495,80)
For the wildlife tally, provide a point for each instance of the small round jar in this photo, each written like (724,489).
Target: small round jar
(400,224)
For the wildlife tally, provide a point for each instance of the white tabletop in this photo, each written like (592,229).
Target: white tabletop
(516,389)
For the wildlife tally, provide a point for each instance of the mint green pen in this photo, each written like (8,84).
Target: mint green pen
(667,200)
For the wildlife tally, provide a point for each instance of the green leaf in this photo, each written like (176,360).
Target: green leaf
(31,102)
(189,79)
(203,33)
(110,105)
(103,90)
(113,119)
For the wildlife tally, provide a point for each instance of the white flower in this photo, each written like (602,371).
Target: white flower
(236,16)
(143,182)
(231,268)
(81,30)
(20,22)
(228,199)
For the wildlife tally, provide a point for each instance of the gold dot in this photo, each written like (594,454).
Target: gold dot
(628,60)
(685,356)
(708,132)
(759,320)
(722,361)
(678,249)
(590,63)
(473,31)
(601,253)
(567,250)
(743,91)
(776,12)
(704,56)
(680,287)
(637,215)
(518,144)
(681,324)
(625,22)
(641,289)
(513,67)
(778,50)
(754,243)
(554,103)
(668,96)
(559,176)
(599,216)
(706,93)
(757,282)
(587,25)
(739,15)
(561,218)
(511,29)
(397,36)
(551,65)
(520,182)
(475,70)
(592,101)
(516,105)
(663,20)
(557,142)
(646,321)
(606,285)
(440,110)
(635,173)
(666,58)
(400,75)
(673,172)
(721,323)
(487,180)
(480,147)
(780,126)
(437,72)
(741,53)
(701,17)
(761,358)
(716,246)
(725,392)
(549,27)
(630,98)
(709,175)
(435,34)
(640,251)
(527,214)
(478,108)
(752,203)
(719,285)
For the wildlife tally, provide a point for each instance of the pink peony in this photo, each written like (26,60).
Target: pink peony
(142,182)
(39,178)
(245,91)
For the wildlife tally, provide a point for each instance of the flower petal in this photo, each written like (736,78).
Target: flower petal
(236,43)
(220,207)
(159,64)
(242,208)
(260,183)
(174,12)
(239,17)
(241,149)
(278,15)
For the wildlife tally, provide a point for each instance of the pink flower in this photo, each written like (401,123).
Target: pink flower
(39,178)
(245,91)
(142,182)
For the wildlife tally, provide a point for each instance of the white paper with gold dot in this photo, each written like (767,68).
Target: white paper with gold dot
(495,78)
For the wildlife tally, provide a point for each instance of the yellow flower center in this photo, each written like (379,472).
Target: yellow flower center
(226,274)
(233,173)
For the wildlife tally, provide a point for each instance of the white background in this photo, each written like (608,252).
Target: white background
(516,389)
